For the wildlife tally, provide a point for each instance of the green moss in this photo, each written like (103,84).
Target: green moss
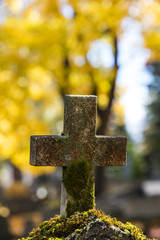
(112,139)
(61,227)
(58,139)
(79,183)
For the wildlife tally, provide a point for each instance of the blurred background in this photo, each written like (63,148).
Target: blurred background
(110,48)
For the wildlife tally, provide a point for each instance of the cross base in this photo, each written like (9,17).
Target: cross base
(78,188)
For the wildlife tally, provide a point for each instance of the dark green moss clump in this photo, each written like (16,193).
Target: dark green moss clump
(61,227)
(79,183)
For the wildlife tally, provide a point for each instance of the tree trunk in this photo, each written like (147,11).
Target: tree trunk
(103,114)
(104,120)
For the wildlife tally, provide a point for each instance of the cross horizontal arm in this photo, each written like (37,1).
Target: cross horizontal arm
(47,150)
(110,151)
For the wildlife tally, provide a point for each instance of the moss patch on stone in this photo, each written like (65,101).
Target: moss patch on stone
(61,227)
(79,183)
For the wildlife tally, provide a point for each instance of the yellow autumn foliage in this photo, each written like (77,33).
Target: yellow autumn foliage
(150,18)
(44,53)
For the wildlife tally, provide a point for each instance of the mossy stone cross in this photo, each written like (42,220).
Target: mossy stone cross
(78,150)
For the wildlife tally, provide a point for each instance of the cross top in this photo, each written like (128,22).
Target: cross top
(78,140)
(80,116)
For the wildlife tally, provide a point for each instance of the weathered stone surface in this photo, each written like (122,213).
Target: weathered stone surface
(48,150)
(80,116)
(98,230)
(78,142)
(61,150)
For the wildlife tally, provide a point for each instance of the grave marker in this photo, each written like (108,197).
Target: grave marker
(78,151)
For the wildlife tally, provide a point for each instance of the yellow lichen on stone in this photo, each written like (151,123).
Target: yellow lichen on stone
(60,227)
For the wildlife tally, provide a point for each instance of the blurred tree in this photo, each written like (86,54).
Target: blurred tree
(151,33)
(50,49)
(151,149)
(136,166)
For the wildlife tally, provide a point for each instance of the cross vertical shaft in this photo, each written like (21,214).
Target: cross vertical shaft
(79,124)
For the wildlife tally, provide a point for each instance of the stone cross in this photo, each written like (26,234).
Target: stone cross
(78,150)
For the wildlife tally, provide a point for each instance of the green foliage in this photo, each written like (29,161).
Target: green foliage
(79,183)
(151,18)
(136,160)
(151,148)
(60,227)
